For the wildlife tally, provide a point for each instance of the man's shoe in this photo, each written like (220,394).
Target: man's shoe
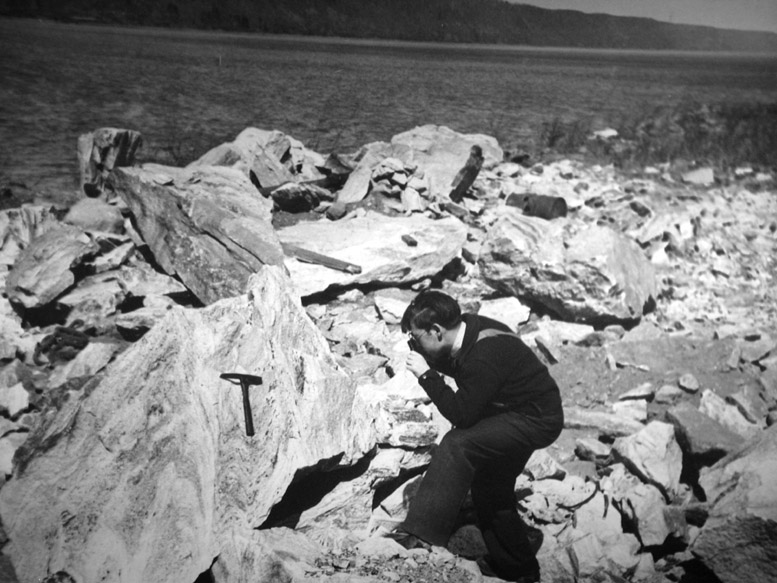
(487,569)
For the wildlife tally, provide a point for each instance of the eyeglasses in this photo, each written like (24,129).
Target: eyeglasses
(415,338)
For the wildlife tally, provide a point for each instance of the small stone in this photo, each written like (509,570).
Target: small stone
(689,383)
(644,391)
(632,409)
(668,394)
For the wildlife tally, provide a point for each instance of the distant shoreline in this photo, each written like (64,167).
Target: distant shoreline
(193,33)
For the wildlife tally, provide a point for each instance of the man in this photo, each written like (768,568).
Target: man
(507,405)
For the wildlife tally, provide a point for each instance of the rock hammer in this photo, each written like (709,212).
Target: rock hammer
(245,381)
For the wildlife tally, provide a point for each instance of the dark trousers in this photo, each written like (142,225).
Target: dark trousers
(486,458)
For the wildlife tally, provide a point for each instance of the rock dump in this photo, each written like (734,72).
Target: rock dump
(125,456)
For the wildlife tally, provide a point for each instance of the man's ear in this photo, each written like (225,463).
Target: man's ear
(438,331)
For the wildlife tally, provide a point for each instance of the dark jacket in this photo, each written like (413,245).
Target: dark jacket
(495,372)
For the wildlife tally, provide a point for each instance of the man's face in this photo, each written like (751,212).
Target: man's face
(427,342)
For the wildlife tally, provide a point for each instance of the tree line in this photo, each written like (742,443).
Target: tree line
(458,21)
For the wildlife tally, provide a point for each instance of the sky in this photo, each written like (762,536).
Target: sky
(737,14)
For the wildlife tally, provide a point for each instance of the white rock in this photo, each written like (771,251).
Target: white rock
(14,399)
(645,507)
(654,455)
(162,435)
(509,311)
(375,245)
(727,415)
(632,408)
(8,446)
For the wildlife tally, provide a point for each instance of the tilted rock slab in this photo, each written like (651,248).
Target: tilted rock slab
(374,243)
(438,152)
(739,540)
(148,474)
(584,273)
(44,270)
(654,455)
(209,226)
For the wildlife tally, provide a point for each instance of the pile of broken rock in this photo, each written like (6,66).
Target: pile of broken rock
(124,454)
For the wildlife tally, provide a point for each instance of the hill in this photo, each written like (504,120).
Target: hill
(464,21)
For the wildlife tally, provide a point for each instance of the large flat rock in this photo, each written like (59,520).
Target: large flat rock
(374,243)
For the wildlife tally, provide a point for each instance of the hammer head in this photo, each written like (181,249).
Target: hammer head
(243,379)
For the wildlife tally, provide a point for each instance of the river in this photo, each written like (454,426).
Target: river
(187,91)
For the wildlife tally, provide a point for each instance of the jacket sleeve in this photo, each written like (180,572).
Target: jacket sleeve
(478,384)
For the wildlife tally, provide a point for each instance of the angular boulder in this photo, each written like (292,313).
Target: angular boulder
(147,474)
(592,273)
(437,152)
(207,225)
(654,455)
(374,243)
(44,269)
(738,542)
(268,157)
(701,437)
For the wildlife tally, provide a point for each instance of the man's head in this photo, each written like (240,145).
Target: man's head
(432,320)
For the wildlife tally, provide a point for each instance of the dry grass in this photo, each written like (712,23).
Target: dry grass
(723,135)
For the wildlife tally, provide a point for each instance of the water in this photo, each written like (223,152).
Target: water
(187,91)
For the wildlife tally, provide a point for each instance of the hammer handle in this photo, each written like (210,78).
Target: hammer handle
(247,410)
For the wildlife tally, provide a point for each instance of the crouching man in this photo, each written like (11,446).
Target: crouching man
(507,405)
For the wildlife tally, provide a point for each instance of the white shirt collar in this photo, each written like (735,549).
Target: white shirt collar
(459,341)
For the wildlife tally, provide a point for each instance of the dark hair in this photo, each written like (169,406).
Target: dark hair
(431,307)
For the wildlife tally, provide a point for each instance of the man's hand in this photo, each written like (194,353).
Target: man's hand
(416,364)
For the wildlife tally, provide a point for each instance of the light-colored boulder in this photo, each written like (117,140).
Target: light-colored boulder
(151,470)
(555,333)
(509,311)
(268,157)
(205,225)
(644,506)
(542,466)
(374,243)
(739,538)
(45,268)
(92,214)
(437,152)
(14,400)
(727,415)
(9,443)
(700,436)
(594,273)
(632,409)
(654,455)
(366,160)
